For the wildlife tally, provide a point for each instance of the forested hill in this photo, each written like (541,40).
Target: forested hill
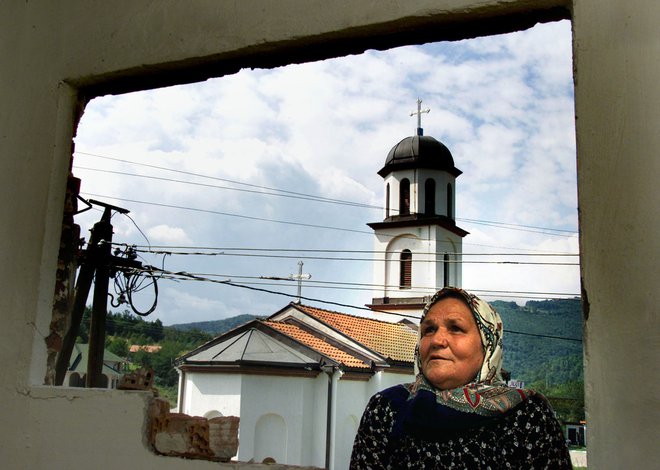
(215,327)
(540,340)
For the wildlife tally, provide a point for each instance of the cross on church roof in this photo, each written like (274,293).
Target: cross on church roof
(419,116)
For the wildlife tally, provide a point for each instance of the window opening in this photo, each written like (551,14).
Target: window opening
(429,197)
(450,201)
(387,200)
(404,197)
(405,280)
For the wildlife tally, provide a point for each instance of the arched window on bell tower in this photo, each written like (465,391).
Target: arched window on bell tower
(450,201)
(387,200)
(404,197)
(405,273)
(429,197)
(446,270)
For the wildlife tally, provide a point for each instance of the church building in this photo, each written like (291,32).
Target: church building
(300,379)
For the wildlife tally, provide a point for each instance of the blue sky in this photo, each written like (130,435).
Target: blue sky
(503,105)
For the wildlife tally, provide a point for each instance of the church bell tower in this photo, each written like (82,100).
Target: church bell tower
(418,244)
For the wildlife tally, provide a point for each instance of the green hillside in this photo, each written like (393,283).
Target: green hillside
(539,340)
(215,327)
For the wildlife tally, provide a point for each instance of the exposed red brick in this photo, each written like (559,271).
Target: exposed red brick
(223,437)
(194,437)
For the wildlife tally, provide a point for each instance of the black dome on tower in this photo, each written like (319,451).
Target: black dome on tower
(419,151)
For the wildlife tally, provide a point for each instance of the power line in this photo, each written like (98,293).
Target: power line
(415,260)
(260,219)
(164,274)
(253,191)
(342,285)
(284,191)
(522,228)
(208,211)
(203,250)
(259,189)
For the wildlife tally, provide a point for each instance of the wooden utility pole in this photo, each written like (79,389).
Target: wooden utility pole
(100,302)
(96,267)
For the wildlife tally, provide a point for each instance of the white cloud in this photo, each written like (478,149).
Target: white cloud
(165,234)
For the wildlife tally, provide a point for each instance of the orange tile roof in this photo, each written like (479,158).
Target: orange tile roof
(393,340)
(317,344)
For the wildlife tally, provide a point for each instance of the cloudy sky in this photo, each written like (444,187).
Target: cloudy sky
(251,173)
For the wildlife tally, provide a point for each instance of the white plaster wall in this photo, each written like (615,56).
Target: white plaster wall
(426,275)
(447,242)
(617,99)
(206,392)
(352,398)
(420,271)
(49,50)
(394,179)
(294,400)
(417,180)
(442,178)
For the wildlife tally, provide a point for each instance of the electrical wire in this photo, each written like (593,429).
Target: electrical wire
(356,286)
(277,190)
(253,191)
(259,189)
(327,302)
(228,214)
(370,259)
(169,249)
(129,281)
(277,221)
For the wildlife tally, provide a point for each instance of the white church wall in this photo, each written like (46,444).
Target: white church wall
(380,270)
(393,268)
(426,275)
(441,178)
(316,434)
(352,399)
(441,242)
(205,392)
(394,179)
(285,403)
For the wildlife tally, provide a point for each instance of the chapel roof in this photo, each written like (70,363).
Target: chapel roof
(419,151)
(392,340)
(318,344)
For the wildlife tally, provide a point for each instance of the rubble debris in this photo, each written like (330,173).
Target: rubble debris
(140,379)
(194,437)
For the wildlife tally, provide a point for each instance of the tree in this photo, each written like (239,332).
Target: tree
(118,346)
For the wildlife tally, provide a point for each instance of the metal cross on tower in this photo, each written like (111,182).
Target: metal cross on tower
(300,277)
(419,116)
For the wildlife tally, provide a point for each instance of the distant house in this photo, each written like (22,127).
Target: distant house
(576,433)
(150,348)
(113,367)
(299,381)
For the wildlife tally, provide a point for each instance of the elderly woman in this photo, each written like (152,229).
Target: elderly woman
(458,413)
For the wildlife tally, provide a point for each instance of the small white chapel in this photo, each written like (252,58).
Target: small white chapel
(300,379)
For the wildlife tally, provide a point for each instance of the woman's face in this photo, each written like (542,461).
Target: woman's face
(450,347)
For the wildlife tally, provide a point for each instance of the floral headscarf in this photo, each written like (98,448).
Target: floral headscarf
(487,394)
